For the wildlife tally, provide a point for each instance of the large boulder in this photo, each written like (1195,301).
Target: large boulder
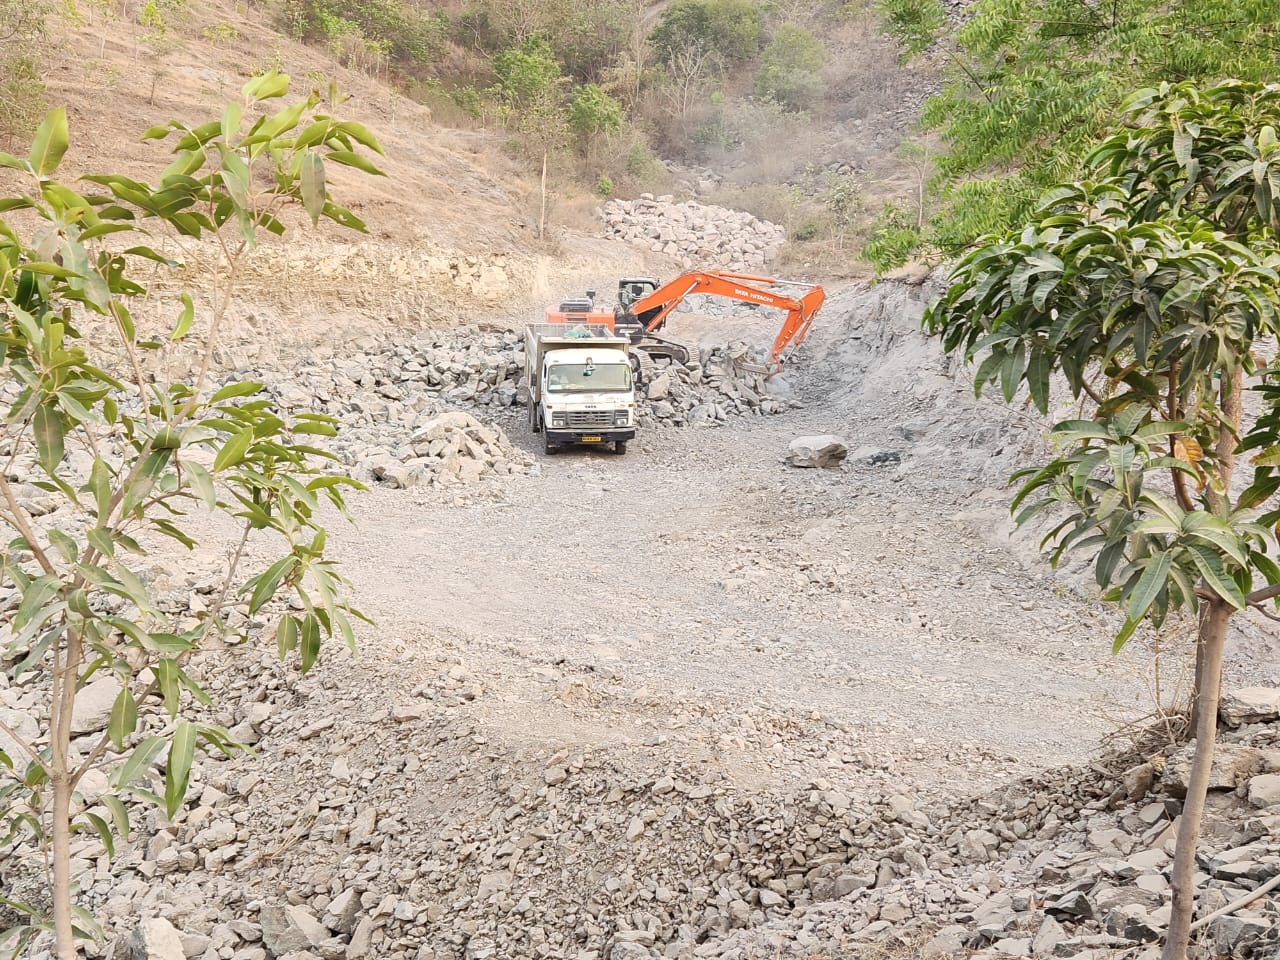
(93,704)
(25,726)
(826,450)
(1250,705)
(1264,791)
(1233,764)
(155,939)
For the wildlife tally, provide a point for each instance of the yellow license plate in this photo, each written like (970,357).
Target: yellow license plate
(590,439)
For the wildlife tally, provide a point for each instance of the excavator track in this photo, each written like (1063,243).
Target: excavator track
(654,346)
(647,368)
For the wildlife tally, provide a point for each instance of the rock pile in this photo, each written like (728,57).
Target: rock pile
(579,853)
(725,382)
(397,403)
(408,408)
(693,233)
(1073,866)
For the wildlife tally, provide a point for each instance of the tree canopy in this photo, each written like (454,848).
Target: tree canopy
(1033,85)
(1150,288)
(728,28)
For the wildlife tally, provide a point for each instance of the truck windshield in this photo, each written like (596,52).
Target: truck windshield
(588,378)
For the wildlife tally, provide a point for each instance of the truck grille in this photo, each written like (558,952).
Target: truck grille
(589,419)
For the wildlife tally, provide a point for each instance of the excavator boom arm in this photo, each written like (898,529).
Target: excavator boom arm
(653,309)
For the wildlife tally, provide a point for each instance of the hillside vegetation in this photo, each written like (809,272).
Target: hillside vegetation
(1032,86)
(789,110)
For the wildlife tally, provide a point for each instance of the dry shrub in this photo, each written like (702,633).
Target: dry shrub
(446,110)
(576,210)
(626,159)
(774,202)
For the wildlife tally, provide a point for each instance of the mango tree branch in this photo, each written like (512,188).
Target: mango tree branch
(1239,904)
(27,748)
(1263,594)
(133,359)
(22,523)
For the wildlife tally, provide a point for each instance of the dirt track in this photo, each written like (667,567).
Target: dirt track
(699,578)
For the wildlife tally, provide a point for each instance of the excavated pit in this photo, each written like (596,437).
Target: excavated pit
(690,702)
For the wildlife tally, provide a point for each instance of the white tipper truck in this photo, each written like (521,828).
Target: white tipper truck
(581,385)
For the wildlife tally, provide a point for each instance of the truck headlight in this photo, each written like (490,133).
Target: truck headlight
(560,419)
(621,418)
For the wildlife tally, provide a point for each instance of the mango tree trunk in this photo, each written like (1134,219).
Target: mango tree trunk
(1214,618)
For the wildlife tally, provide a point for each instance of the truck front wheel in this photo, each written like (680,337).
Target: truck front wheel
(619,447)
(547,446)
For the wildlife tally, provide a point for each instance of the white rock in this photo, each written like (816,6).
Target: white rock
(1264,791)
(93,704)
(826,450)
(1250,705)
(156,939)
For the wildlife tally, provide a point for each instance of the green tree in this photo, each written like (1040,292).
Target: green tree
(593,112)
(1033,85)
(412,36)
(1147,289)
(843,198)
(791,67)
(587,37)
(527,73)
(130,454)
(730,29)
(22,28)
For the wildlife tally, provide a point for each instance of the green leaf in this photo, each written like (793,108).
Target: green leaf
(50,143)
(119,815)
(47,426)
(138,761)
(166,671)
(231,390)
(317,429)
(313,188)
(177,774)
(100,539)
(235,177)
(310,641)
(202,483)
(349,159)
(1210,566)
(266,86)
(286,636)
(1123,636)
(124,718)
(231,120)
(360,134)
(233,450)
(1152,581)
(185,319)
(104,833)
(265,585)
(66,547)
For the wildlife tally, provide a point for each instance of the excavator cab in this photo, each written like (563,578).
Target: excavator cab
(631,289)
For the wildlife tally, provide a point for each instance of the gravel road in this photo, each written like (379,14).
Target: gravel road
(699,571)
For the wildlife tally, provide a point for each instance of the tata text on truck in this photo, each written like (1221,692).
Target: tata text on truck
(581,385)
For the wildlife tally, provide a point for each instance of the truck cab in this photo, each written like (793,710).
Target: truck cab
(581,386)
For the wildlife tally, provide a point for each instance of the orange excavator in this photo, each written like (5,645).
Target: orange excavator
(644,305)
